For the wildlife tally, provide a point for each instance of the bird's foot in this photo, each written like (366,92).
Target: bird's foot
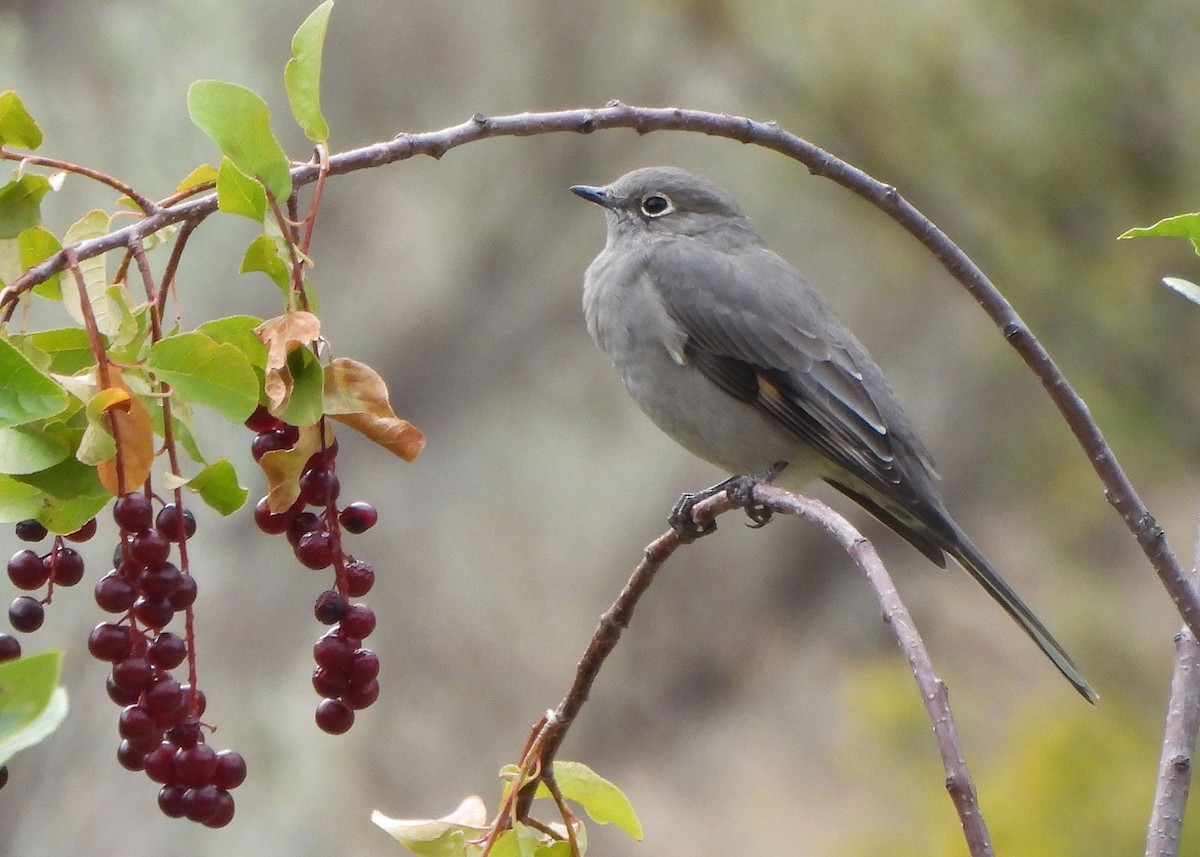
(739,489)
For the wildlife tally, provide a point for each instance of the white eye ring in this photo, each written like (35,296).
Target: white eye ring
(657,205)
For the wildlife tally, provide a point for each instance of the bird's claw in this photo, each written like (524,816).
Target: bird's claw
(739,489)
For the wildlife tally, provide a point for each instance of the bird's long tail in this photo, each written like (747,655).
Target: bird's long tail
(969,557)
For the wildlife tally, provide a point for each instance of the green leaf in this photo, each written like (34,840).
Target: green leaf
(68,349)
(305,404)
(37,244)
(263,255)
(238,120)
(18,501)
(1179,226)
(25,449)
(1188,289)
(302,75)
(26,394)
(237,193)
(214,374)
(17,127)
(217,486)
(31,703)
(21,204)
(603,802)
(238,331)
(69,493)
(109,306)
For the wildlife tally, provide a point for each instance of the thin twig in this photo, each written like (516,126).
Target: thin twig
(1117,488)
(1171,786)
(147,205)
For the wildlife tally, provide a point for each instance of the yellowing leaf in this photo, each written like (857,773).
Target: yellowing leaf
(442,837)
(128,421)
(203,174)
(283,467)
(355,394)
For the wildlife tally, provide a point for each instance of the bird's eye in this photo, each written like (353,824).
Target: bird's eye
(656,205)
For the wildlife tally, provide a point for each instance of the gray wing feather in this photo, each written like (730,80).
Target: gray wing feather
(831,395)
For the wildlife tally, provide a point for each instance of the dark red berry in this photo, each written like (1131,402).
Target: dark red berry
(31,530)
(362,696)
(358,621)
(363,666)
(175,525)
(359,517)
(132,674)
(224,813)
(315,549)
(170,800)
(120,697)
(160,763)
(195,765)
(133,512)
(109,642)
(130,757)
(25,614)
(135,724)
(334,651)
(160,581)
(165,702)
(65,566)
(201,700)
(334,716)
(200,804)
(149,548)
(26,570)
(114,594)
(84,533)
(10,648)
(269,522)
(153,612)
(185,595)
(329,607)
(167,651)
(231,770)
(262,420)
(273,440)
(304,522)
(319,487)
(359,578)
(329,683)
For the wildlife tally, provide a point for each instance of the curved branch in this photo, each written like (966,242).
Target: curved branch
(1117,488)
(551,730)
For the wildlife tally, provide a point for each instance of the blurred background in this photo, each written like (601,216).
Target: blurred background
(757,697)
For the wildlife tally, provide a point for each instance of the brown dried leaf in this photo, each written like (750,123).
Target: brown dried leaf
(355,394)
(280,335)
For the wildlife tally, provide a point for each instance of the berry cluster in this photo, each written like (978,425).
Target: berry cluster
(346,675)
(30,571)
(160,724)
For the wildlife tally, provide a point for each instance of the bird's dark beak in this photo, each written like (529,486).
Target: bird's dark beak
(598,195)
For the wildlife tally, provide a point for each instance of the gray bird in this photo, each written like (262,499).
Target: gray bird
(731,353)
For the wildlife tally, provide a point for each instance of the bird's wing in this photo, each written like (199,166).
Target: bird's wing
(782,350)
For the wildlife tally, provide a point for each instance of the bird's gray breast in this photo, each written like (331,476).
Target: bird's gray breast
(627,317)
